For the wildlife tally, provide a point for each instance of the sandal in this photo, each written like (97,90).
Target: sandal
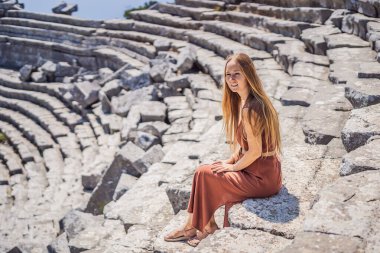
(185,235)
(194,241)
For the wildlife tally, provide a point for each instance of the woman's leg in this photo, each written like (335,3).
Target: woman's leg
(211,225)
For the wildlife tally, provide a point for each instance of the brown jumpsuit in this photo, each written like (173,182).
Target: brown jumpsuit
(260,179)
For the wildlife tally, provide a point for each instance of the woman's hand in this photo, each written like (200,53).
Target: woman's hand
(220,166)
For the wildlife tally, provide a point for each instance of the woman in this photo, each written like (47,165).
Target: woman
(254,168)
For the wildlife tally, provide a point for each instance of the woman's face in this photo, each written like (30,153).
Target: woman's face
(234,77)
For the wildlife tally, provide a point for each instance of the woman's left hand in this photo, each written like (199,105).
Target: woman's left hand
(221,167)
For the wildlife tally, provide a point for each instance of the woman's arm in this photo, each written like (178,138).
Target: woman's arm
(234,157)
(254,148)
(254,143)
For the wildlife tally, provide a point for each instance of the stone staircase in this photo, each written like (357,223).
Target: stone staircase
(115,175)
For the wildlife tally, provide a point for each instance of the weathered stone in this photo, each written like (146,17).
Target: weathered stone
(321,125)
(123,103)
(145,140)
(179,194)
(268,214)
(177,114)
(85,93)
(310,70)
(163,91)
(314,242)
(153,155)
(178,82)
(162,45)
(186,59)
(65,69)
(297,96)
(26,72)
(131,121)
(331,97)
(125,183)
(131,210)
(134,79)
(236,240)
(314,38)
(344,40)
(38,77)
(112,88)
(60,244)
(348,207)
(123,163)
(369,70)
(158,71)
(156,128)
(49,68)
(361,159)
(361,125)
(363,92)
(152,111)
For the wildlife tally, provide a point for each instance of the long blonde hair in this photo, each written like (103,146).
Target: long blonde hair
(267,121)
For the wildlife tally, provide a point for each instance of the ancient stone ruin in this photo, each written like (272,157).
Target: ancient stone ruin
(106,121)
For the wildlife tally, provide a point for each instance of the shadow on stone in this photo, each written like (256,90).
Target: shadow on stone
(280,208)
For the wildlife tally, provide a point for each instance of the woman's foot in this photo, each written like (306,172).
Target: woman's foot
(180,234)
(201,235)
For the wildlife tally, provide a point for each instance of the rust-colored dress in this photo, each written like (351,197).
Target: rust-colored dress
(260,179)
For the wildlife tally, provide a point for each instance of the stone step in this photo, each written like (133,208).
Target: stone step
(302,56)
(54,105)
(85,135)
(340,4)
(356,24)
(39,114)
(363,92)
(253,37)
(54,165)
(223,46)
(11,159)
(284,27)
(129,34)
(4,176)
(70,146)
(91,59)
(115,59)
(211,4)
(148,51)
(315,15)
(54,18)
(155,17)
(26,150)
(41,34)
(345,63)
(10,79)
(25,22)
(198,13)
(19,190)
(344,40)
(314,38)
(288,50)
(15,48)
(360,127)
(33,132)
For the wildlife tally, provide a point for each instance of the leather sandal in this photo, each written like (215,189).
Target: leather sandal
(185,235)
(194,241)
